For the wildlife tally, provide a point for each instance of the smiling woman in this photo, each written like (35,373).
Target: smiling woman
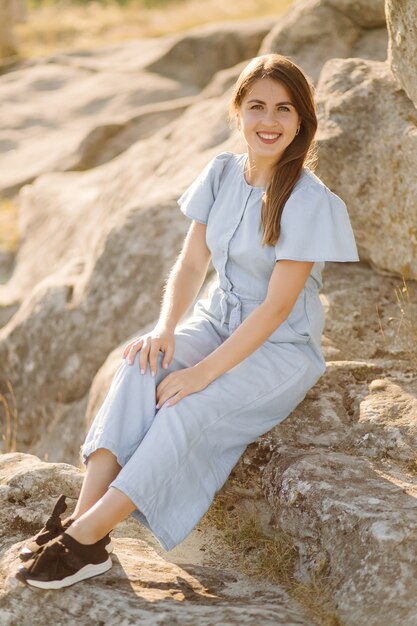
(167,436)
(269,123)
(273,104)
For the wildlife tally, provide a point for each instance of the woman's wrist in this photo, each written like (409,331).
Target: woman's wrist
(205,372)
(165,325)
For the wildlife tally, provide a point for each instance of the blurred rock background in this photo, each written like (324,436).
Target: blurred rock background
(96,145)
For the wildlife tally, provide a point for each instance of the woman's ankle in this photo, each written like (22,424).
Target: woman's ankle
(84,535)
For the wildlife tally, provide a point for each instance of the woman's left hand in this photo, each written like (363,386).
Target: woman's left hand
(179,384)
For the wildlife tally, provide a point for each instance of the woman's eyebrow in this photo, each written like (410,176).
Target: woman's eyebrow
(262,102)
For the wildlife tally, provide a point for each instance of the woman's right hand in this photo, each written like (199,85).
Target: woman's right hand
(160,339)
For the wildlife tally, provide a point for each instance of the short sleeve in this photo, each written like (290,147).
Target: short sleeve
(198,198)
(315,226)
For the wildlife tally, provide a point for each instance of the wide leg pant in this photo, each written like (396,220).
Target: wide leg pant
(175,459)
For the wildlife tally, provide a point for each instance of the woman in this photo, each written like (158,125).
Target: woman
(243,361)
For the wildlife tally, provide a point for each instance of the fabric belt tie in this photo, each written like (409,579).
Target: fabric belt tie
(227,297)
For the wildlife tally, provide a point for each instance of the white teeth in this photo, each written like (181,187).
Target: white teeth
(268,135)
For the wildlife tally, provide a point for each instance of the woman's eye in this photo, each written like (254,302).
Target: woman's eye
(256,106)
(284,109)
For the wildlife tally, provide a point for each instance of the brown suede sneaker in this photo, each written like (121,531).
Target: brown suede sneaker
(64,561)
(53,528)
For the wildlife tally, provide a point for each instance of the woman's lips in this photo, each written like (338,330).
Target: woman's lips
(269,137)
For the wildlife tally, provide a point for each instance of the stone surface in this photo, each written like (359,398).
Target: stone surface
(314,31)
(104,275)
(402,49)
(146,584)
(66,110)
(77,319)
(80,102)
(366,13)
(368,155)
(196,56)
(353,524)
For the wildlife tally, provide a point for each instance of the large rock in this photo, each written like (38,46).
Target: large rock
(366,13)
(402,50)
(154,171)
(83,113)
(77,111)
(66,327)
(353,525)
(196,56)
(368,155)
(91,268)
(314,31)
(146,585)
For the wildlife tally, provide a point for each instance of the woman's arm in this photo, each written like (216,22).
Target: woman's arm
(286,282)
(186,277)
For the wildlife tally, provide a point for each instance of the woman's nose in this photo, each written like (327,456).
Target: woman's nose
(270,117)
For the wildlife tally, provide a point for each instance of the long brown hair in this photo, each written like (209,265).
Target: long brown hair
(301,151)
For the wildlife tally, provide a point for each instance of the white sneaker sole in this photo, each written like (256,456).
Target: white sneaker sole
(86,572)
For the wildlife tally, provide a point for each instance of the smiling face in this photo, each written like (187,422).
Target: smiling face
(268,120)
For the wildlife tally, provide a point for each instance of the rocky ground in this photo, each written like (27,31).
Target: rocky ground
(196,583)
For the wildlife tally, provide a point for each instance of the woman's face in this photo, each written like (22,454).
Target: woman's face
(268,119)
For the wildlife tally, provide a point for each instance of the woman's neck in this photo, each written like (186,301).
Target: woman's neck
(258,170)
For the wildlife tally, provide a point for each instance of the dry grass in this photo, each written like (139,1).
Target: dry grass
(10,420)
(61,26)
(268,557)
(405,323)
(407,320)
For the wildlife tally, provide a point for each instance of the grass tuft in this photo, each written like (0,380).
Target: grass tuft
(269,557)
(407,321)
(10,419)
(404,334)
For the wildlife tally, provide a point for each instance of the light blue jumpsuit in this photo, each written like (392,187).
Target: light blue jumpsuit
(175,459)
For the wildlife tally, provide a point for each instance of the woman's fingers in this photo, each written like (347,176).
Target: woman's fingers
(170,392)
(134,347)
(153,356)
(126,349)
(143,357)
(169,353)
(149,349)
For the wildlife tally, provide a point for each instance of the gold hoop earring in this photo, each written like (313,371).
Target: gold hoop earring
(297,131)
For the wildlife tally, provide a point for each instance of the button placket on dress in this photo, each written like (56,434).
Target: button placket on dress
(227,296)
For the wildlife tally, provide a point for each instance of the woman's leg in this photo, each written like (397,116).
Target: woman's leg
(102,469)
(99,509)
(102,517)
(118,430)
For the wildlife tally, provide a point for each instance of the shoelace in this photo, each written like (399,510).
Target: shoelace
(54,524)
